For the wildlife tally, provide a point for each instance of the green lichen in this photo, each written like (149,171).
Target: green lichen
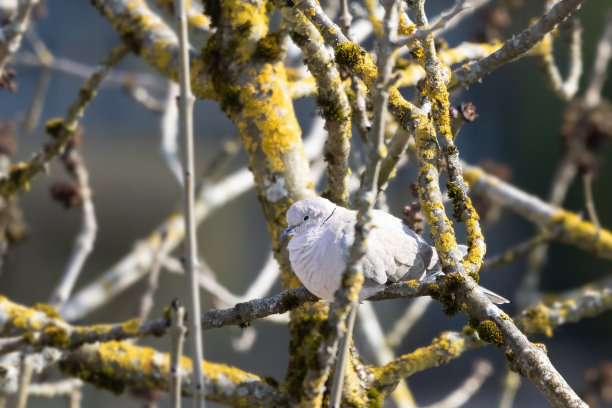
(226,92)
(375,399)
(474,276)
(447,294)
(48,310)
(305,326)
(213,9)
(330,110)
(490,333)
(299,39)
(271,381)
(268,48)
(30,337)
(167,314)
(433,290)
(104,378)
(348,54)
(456,194)
(473,322)
(510,356)
(55,127)
(57,337)
(269,6)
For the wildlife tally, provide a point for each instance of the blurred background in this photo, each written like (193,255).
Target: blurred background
(518,126)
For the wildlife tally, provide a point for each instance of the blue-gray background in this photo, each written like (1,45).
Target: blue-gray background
(518,126)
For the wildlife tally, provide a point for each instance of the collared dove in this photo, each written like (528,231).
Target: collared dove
(323,234)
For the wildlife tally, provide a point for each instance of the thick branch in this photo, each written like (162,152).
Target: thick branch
(41,326)
(116,365)
(515,47)
(572,229)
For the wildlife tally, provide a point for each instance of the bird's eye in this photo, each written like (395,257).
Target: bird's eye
(306,218)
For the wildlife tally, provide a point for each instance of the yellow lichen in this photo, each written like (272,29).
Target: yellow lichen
(131,326)
(537,320)
(581,232)
(267,104)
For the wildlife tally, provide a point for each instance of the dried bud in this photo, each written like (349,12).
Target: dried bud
(40,10)
(468,111)
(6,79)
(69,195)
(147,395)
(599,383)
(414,189)
(413,217)
(584,132)
(498,18)
(8,140)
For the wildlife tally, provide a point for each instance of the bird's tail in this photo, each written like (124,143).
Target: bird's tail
(493,297)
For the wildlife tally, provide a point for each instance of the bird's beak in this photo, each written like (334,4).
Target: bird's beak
(287,231)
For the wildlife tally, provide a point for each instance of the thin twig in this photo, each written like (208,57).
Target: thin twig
(406,322)
(519,250)
(54,389)
(218,164)
(146,300)
(372,332)
(599,73)
(77,69)
(84,242)
(142,95)
(186,102)
(442,22)
(177,335)
(587,181)
(339,372)
(482,370)
(26,370)
(75,397)
(511,382)
(564,89)
(358,104)
(169,133)
(32,116)
(11,34)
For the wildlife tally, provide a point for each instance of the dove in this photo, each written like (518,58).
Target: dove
(323,234)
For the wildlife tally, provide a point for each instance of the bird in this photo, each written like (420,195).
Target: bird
(323,232)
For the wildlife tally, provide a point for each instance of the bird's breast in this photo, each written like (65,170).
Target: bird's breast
(318,263)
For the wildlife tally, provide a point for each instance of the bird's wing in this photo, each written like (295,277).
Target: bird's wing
(391,251)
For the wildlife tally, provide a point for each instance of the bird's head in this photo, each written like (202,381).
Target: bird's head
(313,211)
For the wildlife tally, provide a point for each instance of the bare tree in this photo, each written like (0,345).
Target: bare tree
(255,59)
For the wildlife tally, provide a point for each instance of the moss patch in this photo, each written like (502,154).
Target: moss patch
(490,333)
